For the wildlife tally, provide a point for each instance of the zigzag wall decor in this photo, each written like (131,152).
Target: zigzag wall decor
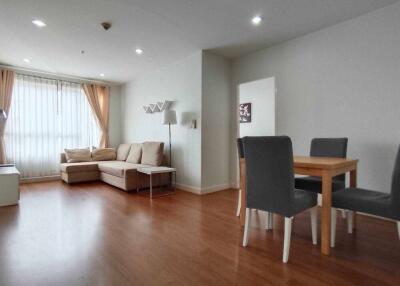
(157,107)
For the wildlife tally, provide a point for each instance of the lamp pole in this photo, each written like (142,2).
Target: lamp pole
(170,149)
(170,119)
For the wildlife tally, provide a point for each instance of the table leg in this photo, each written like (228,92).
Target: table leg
(326,212)
(151,187)
(353,184)
(242,215)
(174,181)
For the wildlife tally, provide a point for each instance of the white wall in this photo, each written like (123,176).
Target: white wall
(216,130)
(200,87)
(261,95)
(340,81)
(181,83)
(115,116)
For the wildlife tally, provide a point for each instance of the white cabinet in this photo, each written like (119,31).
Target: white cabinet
(9,186)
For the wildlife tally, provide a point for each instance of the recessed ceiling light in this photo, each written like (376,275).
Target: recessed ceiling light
(39,23)
(256,20)
(102,74)
(27,60)
(139,51)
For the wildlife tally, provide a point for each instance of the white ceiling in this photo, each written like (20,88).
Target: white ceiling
(167,30)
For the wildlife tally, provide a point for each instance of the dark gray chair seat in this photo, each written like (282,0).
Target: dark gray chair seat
(366,201)
(314,184)
(370,202)
(301,201)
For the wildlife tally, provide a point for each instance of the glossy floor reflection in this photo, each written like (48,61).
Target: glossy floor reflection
(94,234)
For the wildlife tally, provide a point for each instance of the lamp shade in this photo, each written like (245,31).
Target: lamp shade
(3,114)
(169,117)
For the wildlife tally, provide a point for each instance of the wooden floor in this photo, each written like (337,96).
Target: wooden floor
(94,234)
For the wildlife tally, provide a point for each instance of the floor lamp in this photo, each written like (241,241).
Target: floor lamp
(170,119)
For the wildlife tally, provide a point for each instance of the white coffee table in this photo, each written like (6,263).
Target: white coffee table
(158,170)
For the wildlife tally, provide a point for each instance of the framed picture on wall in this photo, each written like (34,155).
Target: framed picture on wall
(245,112)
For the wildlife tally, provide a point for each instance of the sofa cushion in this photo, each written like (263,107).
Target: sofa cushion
(79,167)
(152,153)
(104,154)
(78,155)
(123,151)
(117,168)
(135,154)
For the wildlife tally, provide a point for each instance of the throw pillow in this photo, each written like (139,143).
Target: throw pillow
(78,155)
(105,154)
(123,151)
(153,153)
(135,154)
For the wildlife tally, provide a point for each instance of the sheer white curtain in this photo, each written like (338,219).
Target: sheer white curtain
(45,117)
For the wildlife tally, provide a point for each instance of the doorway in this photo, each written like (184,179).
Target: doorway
(257,108)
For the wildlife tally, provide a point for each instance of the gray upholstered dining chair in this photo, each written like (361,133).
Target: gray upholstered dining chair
(269,218)
(239,144)
(270,185)
(324,147)
(370,202)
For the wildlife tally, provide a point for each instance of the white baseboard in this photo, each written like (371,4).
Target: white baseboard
(40,179)
(190,189)
(203,191)
(215,188)
(374,216)
(235,185)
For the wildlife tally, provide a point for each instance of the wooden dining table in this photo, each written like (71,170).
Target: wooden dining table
(324,167)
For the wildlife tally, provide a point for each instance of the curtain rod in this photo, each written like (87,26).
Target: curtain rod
(47,78)
(53,76)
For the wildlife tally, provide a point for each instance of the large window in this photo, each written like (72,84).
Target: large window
(45,117)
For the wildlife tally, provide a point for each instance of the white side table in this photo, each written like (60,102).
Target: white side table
(9,186)
(158,170)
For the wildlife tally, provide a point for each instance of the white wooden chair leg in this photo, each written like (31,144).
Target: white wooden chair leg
(271,221)
(350,221)
(286,240)
(239,203)
(246,227)
(314,217)
(333,227)
(267,215)
(398,228)
(343,214)
(319,200)
(268,220)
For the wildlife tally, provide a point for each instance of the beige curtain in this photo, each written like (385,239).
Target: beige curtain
(99,100)
(6,88)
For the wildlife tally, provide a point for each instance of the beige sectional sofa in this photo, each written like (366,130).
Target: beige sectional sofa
(120,172)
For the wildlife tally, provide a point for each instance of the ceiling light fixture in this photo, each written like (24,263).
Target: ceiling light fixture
(256,20)
(139,51)
(102,74)
(27,60)
(39,23)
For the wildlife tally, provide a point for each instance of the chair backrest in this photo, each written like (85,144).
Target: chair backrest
(395,191)
(240,147)
(269,173)
(330,147)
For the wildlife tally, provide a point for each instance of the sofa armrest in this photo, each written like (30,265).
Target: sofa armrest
(63,158)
